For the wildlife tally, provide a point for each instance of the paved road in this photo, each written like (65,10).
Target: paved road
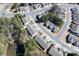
(66,23)
(35,12)
(32,13)
(64,27)
(56,39)
(68,19)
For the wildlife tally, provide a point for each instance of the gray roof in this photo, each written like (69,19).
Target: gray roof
(74,40)
(76,43)
(55,52)
(51,25)
(74,10)
(30,29)
(71,38)
(25,21)
(74,28)
(75,18)
(60,10)
(43,43)
(75,15)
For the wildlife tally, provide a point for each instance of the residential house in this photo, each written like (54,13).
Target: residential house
(46,4)
(43,40)
(32,28)
(70,39)
(25,20)
(75,18)
(24,7)
(76,43)
(60,12)
(74,28)
(75,15)
(51,26)
(73,40)
(55,51)
(74,10)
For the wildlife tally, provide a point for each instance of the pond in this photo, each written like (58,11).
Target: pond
(20,50)
(17,48)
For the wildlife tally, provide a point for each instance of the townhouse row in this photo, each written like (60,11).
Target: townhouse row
(41,38)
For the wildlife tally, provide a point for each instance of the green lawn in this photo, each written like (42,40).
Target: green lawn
(3,24)
(17,22)
(52,17)
(2,49)
(3,33)
(2,46)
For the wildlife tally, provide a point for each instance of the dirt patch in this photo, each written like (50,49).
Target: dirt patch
(11,51)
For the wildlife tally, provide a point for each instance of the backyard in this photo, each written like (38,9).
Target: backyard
(51,16)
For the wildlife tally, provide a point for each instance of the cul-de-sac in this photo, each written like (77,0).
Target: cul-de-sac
(39,29)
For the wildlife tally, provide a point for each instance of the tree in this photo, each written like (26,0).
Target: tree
(43,18)
(14,7)
(57,21)
(54,8)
